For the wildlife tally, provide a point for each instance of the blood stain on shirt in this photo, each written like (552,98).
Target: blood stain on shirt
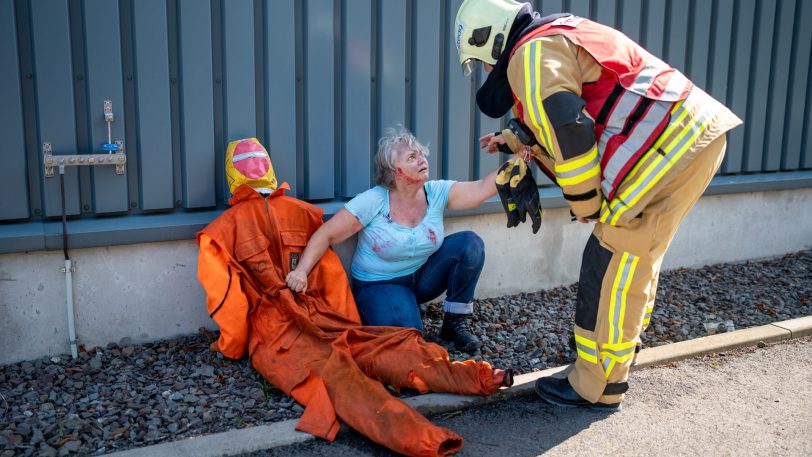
(432,236)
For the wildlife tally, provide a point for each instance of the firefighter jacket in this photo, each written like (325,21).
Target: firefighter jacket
(614,122)
(311,345)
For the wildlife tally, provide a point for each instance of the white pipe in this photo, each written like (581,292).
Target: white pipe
(69,304)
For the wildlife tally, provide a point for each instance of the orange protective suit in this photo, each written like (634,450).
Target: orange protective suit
(312,345)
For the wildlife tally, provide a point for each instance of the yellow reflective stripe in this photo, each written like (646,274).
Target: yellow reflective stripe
(632,268)
(605,211)
(665,168)
(532,74)
(613,300)
(647,315)
(620,289)
(616,357)
(590,156)
(587,349)
(594,171)
(608,364)
(587,356)
(586,342)
(674,124)
(671,159)
(614,209)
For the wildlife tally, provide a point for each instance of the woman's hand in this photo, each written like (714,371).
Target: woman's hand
(297,280)
(490,143)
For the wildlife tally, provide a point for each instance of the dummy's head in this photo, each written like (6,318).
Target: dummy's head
(247,162)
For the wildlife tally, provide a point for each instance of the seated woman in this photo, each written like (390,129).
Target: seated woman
(403,258)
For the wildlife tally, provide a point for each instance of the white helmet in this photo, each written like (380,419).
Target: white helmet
(481,30)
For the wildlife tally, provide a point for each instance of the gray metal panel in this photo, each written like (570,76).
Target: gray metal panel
(806,151)
(799,101)
(321,132)
(739,82)
(678,35)
(239,98)
(196,103)
(654,26)
(550,7)
(282,84)
(630,13)
(359,139)
(779,87)
(697,60)
(579,7)
(721,51)
(759,86)
(459,109)
(319,99)
(104,82)
(391,64)
(428,79)
(13,171)
(152,100)
(54,94)
(605,12)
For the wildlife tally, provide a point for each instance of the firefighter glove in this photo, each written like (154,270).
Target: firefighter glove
(525,194)
(503,176)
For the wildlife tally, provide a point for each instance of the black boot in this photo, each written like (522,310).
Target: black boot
(455,329)
(559,392)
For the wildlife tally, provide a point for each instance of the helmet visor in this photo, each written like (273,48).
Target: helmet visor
(469,66)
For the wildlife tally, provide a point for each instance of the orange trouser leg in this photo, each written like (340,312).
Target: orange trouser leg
(619,274)
(334,387)
(402,358)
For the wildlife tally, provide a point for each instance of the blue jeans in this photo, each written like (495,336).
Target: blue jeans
(453,269)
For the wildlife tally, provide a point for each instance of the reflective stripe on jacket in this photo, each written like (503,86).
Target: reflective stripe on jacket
(638,107)
(630,104)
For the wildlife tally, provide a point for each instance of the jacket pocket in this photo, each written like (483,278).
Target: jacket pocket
(253,255)
(293,243)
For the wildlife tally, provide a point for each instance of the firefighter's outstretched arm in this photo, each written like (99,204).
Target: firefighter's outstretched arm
(544,74)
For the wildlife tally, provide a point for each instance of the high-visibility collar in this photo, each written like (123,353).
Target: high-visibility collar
(631,101)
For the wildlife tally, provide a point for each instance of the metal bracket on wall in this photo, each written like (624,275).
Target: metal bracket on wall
(51,161)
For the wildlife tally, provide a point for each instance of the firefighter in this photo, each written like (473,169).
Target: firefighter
(631,142)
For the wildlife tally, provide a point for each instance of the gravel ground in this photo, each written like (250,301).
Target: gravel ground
(120,397)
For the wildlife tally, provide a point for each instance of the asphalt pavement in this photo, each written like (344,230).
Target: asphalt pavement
(750,401)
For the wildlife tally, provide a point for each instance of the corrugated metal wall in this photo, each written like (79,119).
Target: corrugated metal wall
(318,80)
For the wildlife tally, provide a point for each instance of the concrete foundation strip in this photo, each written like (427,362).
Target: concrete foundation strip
(279,434)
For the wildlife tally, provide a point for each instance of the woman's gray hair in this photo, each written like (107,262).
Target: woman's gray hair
(385,171)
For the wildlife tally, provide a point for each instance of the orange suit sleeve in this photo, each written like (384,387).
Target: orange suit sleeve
(225,300)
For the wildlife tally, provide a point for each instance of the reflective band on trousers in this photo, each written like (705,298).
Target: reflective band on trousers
(620,289)
(587,349)
(612,354)
(532,76)
(647,316)
(662,162)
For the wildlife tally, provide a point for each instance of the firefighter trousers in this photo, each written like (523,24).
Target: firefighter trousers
(618,280)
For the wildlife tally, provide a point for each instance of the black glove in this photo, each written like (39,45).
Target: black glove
(503,176)
(525,194)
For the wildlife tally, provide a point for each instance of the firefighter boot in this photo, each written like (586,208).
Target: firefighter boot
(455,329)
(558,391)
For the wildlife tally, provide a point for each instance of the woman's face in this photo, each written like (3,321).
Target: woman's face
(411,166)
